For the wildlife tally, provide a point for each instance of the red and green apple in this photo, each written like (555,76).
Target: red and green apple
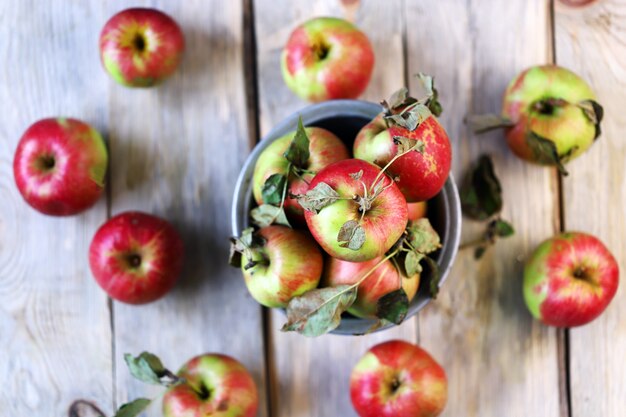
(327,58)
(136,257)
(60,166)
(570,279)
(398,379)
(417,210)
(141,47)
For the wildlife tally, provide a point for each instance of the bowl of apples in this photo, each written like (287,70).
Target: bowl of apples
(345,216)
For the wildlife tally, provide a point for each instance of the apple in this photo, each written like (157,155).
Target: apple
(141,47)
(420,176)
(214,385)
(363,212)
(60,166)
(286,264)
(136,257)
(327,58)
(385,279)
(398,379)
(324,149)
(417,210)
(570,279)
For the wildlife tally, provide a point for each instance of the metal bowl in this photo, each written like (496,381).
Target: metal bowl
(345,118)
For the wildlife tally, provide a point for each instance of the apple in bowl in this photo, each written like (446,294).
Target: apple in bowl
(141,47)
(60,166)
(327,58)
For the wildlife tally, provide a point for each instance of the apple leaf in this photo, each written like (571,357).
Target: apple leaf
(246,243)
(479,252)
(265,215)
(430,93)
(318,311)
(146,367)
(274,189)
(351,235)
(545,151)
(410,119)
(481,193)
(481,123)
(319,197)
(594,112)
(356,175)
(405,145)
(435,276)
(422,236)
(298,151)
(393,306)
(502,228)
(412,265)
(397,101)
(133,408)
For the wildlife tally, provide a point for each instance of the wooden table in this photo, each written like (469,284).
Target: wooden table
(176,150)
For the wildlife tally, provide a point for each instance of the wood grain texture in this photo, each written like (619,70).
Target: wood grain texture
(592,42)
(177,150)
(55,337)
(310,377)
(498,360)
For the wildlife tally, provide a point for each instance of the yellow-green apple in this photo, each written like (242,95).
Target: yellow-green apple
(284,264)
(398,379)
(141,47)
(324,148)
(354,210)
(384,280)
(570,279)
(213,385)
(550,114)
(60,166)
(327,58)
(136,257)
(417,210)
(419,175)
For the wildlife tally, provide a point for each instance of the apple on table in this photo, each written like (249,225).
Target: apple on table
(60,166)
(141,47)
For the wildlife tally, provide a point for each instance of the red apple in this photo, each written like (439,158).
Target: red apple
(363,215)
(385,279)
(570,279)
(417,210)
(327,58)
(136,257)
(286,264)
(141,47)
(398,379)
(60,166)
(215,385)
(420,176)
(324,149)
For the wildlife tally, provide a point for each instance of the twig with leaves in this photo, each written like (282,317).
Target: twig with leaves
(481,199)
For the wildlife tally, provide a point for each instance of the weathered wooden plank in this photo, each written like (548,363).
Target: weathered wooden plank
(499,361)
(177,150)
(55,337)
(591,41)
(310,376)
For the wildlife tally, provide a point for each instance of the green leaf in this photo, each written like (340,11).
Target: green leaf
(481,193)
(412,263)
(318,311)
(146,367)
(481,123)
(594,112)
(422,236)
(133,408)
(241,244)
(319,197)
(274,189)
(298,151)
(435,276)
(351,235)
(545,151)
(410,119)
(502,228)
(405,145)
(479,252)
(265,215)
(397,101)
(393,306)
(430,93)
(356,175)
